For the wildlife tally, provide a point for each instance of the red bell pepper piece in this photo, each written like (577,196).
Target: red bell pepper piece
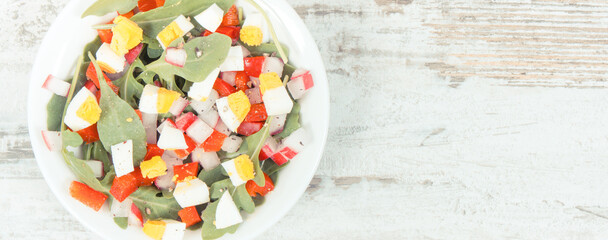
(105,35)
(230,31)
(153,150)
(253,188)
(185,170)
(92,75)
(184,121)
(139,115)
(90,134)
(86,195)
(91,87)
(241,79)
(214,142)
(123,186)
(142,181)
(147,5)
(253,65)
(183,153)
(189,216)
(223,88)
(231,18)
(257,113)
(128,14)
(249,128)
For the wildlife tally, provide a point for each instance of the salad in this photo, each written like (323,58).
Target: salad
(179,115)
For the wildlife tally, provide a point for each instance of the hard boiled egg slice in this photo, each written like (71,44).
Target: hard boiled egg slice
(233,109)
(122,157)
(234,60)
(191,193)
(227,214)
(211,18)
(83,111)
(178,28)
(239,169)
(155,167)
(255,30)
(200,91)
(126,35)
(108,60)
(275,96)
(156,99)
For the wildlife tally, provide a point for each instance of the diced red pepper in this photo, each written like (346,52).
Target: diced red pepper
(128,14)
(105,35)
(249,128)
(223,88)
(153,150)
(253,65)
(134,53)
(241,79)
(230,31)
(189,216)
(183,153)
(185,170)
(92,75)
(147,5)
(214,142)
(123,186)
(184,121)
(86,195)
(90,134)
(253,188)
(137,213)
(257,113)
(142,181)
(91,87)
(231,18)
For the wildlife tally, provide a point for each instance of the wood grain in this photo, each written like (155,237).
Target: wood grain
(451,120)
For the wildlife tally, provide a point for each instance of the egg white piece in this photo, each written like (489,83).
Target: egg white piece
(191,193)
(211,18)
(277,101)
(97,167)
(234,60)
(171,138)
(201,91)
(230,167)
(227,214)
(110,58)
(227,115)
(174,230)
(149,99)
(71,119)
(257,19)
(184,24)
(121,209)
(122,157)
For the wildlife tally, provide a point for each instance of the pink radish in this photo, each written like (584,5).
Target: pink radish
(150,120)
(199,131)
(221,127)
(290,147)
(178,106)
(254,95)
(134,53)
(277,124)
(97,167)
(229,77)
(135,217)
(167,122)
(185,120)
(273,64)
(232,143)
(208,160)
(269,148)
(91,86)
(56,86)
(176,56)
(301,81)
(52,140)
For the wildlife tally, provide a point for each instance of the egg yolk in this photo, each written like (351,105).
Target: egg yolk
(89,110)
(154,167)
(244,167)
(239,104)
(170,33)
(155,229)
(165,100)
(251,35)
(126,35)
(269,81)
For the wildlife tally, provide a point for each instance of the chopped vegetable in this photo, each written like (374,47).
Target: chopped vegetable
(253,189)
(56,86)
(87,196)
(189,216)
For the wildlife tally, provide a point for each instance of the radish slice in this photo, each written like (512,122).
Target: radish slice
(134,53)
(52,140)
(184,121)
(268,149)
(167,122)
(178,106)
(210,117)
(176,56)
(221,127)
(301,81)
(199,131)
(290,147)
(208,160)
(150,120)
(277,124)
(91,86)
(135,217)
(56,86)
(273,64)
(229,77)
(121,209)
(254,95)
(97,167)
(232,143)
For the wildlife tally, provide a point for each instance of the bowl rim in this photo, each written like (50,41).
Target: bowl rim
(287,12)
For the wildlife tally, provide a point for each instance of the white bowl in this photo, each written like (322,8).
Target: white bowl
(58,54)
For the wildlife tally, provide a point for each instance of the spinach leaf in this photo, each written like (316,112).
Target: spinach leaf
(211,50)
(155,20)
(122,222)
(154,205)
(99,153)
(254,144)
(269,167)
(219,188)
(213,175)
(54,111)
(102,7)
(243,200)
(118,121)
(263,48)
(293,121)
(71,139)
(209,231)
(130,88)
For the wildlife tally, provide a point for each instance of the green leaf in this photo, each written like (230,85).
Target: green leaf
(99,153)
(152,199)
(213,175)
(213,49)
(118,121)
(269,167)
(293,121)
(209,231)
(242,150)
(54,110)
(122,222)
(219,188)
(254,144)
(153,49)
(267,48)
(92,46)
(130,88)
(103,7)
(84,173)
(243,200)
(288,70)
(155,20)
(70,138)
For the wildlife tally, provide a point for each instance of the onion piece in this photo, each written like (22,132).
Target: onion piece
(232,143)
(96,166)
(176,56)
(150,121)
(208,160)
(121,209)
(229,77)
(56,86)
(254,95)
(277,124)
(273,64)
(178,106)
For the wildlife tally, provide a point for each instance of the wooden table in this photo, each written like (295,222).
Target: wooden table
(451,119)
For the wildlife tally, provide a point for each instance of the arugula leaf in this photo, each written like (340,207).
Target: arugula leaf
(269,167)
(154,49)
(242,150)
(54,111)
(160,207)
(122,222)
(99,153)
(155,20)
(209,231)
(265,48)
(212,51)
(219,188)
(293,121)
(242,199)
(102,7)
(130,88)
(254,144)
(84,173)
(213,175)
(71,139)
(118,121)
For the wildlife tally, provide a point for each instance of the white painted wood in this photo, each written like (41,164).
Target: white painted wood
(451,120)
